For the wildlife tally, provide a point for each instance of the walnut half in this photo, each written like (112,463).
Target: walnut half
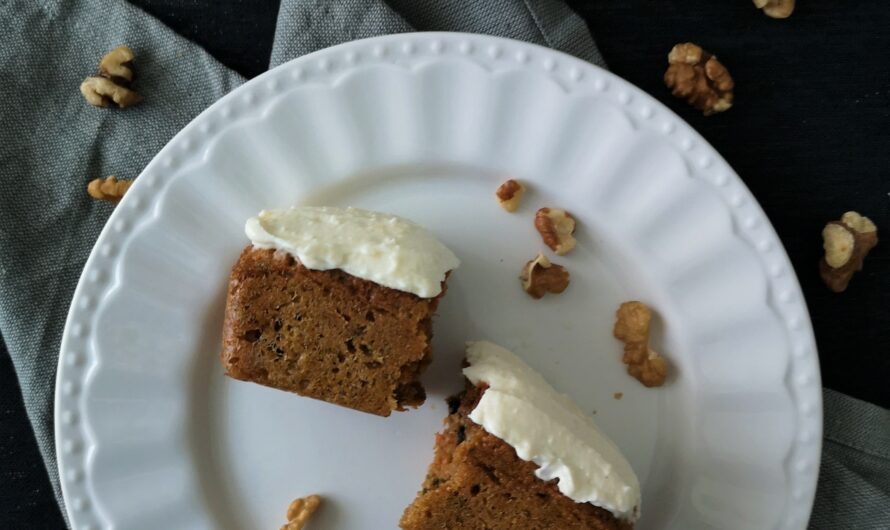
(117,65)
(540,277)
(698,77)
(556,228)
(510,194)
(300,510)
(100,92)
(846,243)
(108,189)
(776,8)
(632,328)
(112,85)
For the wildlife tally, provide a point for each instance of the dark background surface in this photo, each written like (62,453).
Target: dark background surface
(808,134)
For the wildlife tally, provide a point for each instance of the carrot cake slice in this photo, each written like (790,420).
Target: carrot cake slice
(515,453)
(335,304)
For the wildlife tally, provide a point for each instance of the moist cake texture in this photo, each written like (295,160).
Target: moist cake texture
(325,334)
(477,482)
(516,453)
(335,304)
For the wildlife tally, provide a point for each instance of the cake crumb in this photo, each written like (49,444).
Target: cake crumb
(618,395)
(300,510)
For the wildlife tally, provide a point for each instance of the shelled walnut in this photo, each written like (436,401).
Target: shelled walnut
(300,510)
(776,8)
(846,243)
(510,194)
(556,228)
(632,328)
(112,84)
(117,65)
(698,77)
(540,277)
(100,92)
(108,189)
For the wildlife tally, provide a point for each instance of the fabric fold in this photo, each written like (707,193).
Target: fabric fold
(854,478)
(52,143)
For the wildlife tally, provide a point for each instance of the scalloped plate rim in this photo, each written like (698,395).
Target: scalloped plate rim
(76,506)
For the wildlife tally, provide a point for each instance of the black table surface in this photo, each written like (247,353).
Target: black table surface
(809,135)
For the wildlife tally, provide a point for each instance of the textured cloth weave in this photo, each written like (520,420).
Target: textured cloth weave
(854,481)
(308,25)
(52,143)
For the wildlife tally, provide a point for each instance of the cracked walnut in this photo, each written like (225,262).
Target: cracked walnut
(698,77)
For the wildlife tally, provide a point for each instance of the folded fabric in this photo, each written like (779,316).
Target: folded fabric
(52,142)
(854,481)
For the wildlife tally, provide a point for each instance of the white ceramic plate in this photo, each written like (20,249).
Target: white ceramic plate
(150,434)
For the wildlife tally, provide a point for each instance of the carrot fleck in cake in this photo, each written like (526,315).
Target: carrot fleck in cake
(515,453)
(335,304)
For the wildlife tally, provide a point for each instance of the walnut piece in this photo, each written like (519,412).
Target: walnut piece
(509,194)
(556,228)
(846,243)
(300,510)
(99,92)
(838,242)
(108,189)
(113,82)
(632,328)
(699,78)
(117,65)
(540,277)
(776,8)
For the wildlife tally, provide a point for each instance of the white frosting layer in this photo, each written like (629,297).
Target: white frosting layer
(378,247)
(549,429)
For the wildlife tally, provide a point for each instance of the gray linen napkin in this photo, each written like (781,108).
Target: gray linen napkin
(308,25)
(52,143)
(854,481)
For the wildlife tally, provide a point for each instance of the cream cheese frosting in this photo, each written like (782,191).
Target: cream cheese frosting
(549,429)
(374,246)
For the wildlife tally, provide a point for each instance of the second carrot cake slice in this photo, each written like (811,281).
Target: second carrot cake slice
(515,453)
